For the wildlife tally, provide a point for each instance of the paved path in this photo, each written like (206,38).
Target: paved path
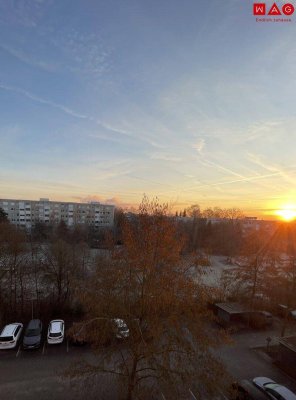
(245,363)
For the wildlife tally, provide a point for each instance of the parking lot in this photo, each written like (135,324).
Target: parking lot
(44,349)
(36,374)
(39,374)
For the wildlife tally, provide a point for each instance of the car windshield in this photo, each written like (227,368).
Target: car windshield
(55,334)
(270,385)
(6,338)
(32,332)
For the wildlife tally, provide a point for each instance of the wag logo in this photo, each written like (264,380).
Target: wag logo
(279,12)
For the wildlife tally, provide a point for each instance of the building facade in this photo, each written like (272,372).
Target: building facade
(26,213)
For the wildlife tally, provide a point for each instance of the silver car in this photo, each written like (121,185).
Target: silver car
(273,389)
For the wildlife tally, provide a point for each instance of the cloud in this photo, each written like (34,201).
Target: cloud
(40,100)
(199,145)
(221,167)
(262,129)
(284,172)
(165,157)
(29,59)
(229,182)
(78,115)
(151,181)
(115,201)
(23,12)
(113,128)
(86,54)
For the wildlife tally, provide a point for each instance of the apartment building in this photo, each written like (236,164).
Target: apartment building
(26,213)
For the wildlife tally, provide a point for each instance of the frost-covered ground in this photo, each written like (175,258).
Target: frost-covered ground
(211,275)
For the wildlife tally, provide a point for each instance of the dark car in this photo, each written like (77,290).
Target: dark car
(245,390)
(33,334)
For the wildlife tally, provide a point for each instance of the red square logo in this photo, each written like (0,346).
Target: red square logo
(259,9)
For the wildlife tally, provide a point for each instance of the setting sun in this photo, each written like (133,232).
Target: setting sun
(287,214)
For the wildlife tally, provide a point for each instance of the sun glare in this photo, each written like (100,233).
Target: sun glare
(287,213)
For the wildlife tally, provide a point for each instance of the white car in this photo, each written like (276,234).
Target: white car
(273,389)
(10,335)
(293,314)
(56,331)
(121,329)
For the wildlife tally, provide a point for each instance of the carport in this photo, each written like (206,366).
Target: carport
(231,313)
(287,355)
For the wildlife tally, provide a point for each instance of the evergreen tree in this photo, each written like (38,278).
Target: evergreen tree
(3,216)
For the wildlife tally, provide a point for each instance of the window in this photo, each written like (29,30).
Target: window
(55,334)
(274,394)
(6,338)
(17,330)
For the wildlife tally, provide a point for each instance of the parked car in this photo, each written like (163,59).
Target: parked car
(77,333)
(286,312)
(33,334)
(293,314)
(10,335)
(267,317)
(98,331)
(273,389)
(121,328)
(260,319)
(282,310)
(245,390)
(56,331)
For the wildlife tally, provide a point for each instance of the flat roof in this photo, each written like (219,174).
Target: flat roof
(232,308)
(41,200)
(289,342)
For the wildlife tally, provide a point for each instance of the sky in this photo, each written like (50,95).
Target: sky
(190,101)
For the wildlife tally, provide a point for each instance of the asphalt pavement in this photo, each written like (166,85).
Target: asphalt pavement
(38,374)
(244,362)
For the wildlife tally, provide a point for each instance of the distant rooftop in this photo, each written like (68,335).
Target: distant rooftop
(47,200)
(232,308)
(289,342)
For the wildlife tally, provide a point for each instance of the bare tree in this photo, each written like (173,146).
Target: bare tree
(57,270)
(12,267)
(3,217)
(147,284)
